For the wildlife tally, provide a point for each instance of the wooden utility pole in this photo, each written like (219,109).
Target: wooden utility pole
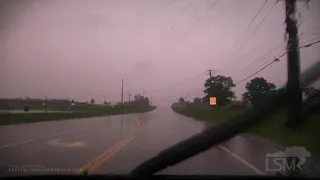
(210,89)
(122,93)
(293,58)
(210,74)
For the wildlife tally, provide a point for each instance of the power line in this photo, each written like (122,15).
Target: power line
(194,25)
(270,63)
(182,13)
(184,35)
(247,27)
(261,58)
(275,60)
(251,51)
(254,31)
(255,72)
(310,44)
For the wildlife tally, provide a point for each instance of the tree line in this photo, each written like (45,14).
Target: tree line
(258,91)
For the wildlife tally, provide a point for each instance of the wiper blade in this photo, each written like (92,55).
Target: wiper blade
(223,132)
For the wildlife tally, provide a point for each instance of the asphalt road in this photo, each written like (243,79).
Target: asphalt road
(32,111)
(117,144)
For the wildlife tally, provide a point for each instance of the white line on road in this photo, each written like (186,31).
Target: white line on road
(242,160)
(235,155)
(35,139)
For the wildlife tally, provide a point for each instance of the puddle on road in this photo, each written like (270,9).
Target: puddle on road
(76,144)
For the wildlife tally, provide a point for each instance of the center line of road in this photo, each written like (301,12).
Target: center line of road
(36,139)
(110,152)
(234,155)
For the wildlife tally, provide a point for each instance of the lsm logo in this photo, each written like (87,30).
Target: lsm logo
(291,159)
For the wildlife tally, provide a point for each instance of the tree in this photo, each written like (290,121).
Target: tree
(92,101)
(220,87)
(197,101)
(141,100)
(258,92)
(309,91)
(26,108)
(181,101)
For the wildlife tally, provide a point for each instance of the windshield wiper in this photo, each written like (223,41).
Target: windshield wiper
(223,132)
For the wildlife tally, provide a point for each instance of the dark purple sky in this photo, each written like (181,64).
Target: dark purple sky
(82,48)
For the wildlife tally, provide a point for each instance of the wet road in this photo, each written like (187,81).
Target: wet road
(32,111)
(117,144)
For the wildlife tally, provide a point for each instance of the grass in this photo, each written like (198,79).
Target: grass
(272,129)
(7,119)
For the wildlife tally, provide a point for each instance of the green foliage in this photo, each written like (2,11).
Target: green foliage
(140,100)
(87,111)
(220,87)
(182,101)
(26,108)
(309,91)
(258,92)
(273,128)
(197,101)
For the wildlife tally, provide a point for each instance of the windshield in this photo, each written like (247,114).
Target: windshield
(101,86)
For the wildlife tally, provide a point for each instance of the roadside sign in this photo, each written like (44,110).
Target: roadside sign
(213,101)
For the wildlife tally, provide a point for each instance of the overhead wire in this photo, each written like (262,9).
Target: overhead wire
(194,25)
(250,52)
(183,36)
(171,48)
(242,34)
(270,63)
(254,31)
(275,60)
(181,14)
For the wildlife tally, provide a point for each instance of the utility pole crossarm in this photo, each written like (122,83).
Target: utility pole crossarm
(210,73)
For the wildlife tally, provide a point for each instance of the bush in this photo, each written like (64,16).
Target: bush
(26,108)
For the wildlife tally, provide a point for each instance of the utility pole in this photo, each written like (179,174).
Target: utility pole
(210,70)
(143,92)
(293,58)
(122,93)
(151,100)
(129,94)
(210,75)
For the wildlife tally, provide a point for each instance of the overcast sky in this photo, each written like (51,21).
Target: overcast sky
(82,48)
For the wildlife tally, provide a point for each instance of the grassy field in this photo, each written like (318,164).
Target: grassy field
(6,119)
(273,128)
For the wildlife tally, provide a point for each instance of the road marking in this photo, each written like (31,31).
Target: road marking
(35,139)
(242,160)
(235,155)
(110,152)
(96,160)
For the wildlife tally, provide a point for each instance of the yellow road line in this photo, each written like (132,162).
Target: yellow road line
(111,153)
(96,162)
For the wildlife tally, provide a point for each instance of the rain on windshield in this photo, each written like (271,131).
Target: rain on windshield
(100,86)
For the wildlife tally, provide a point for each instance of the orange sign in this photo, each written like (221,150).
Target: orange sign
(213,100)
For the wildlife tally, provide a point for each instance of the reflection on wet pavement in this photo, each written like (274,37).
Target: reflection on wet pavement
(89,138)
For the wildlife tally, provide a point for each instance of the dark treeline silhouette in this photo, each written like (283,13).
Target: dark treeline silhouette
(258,91)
